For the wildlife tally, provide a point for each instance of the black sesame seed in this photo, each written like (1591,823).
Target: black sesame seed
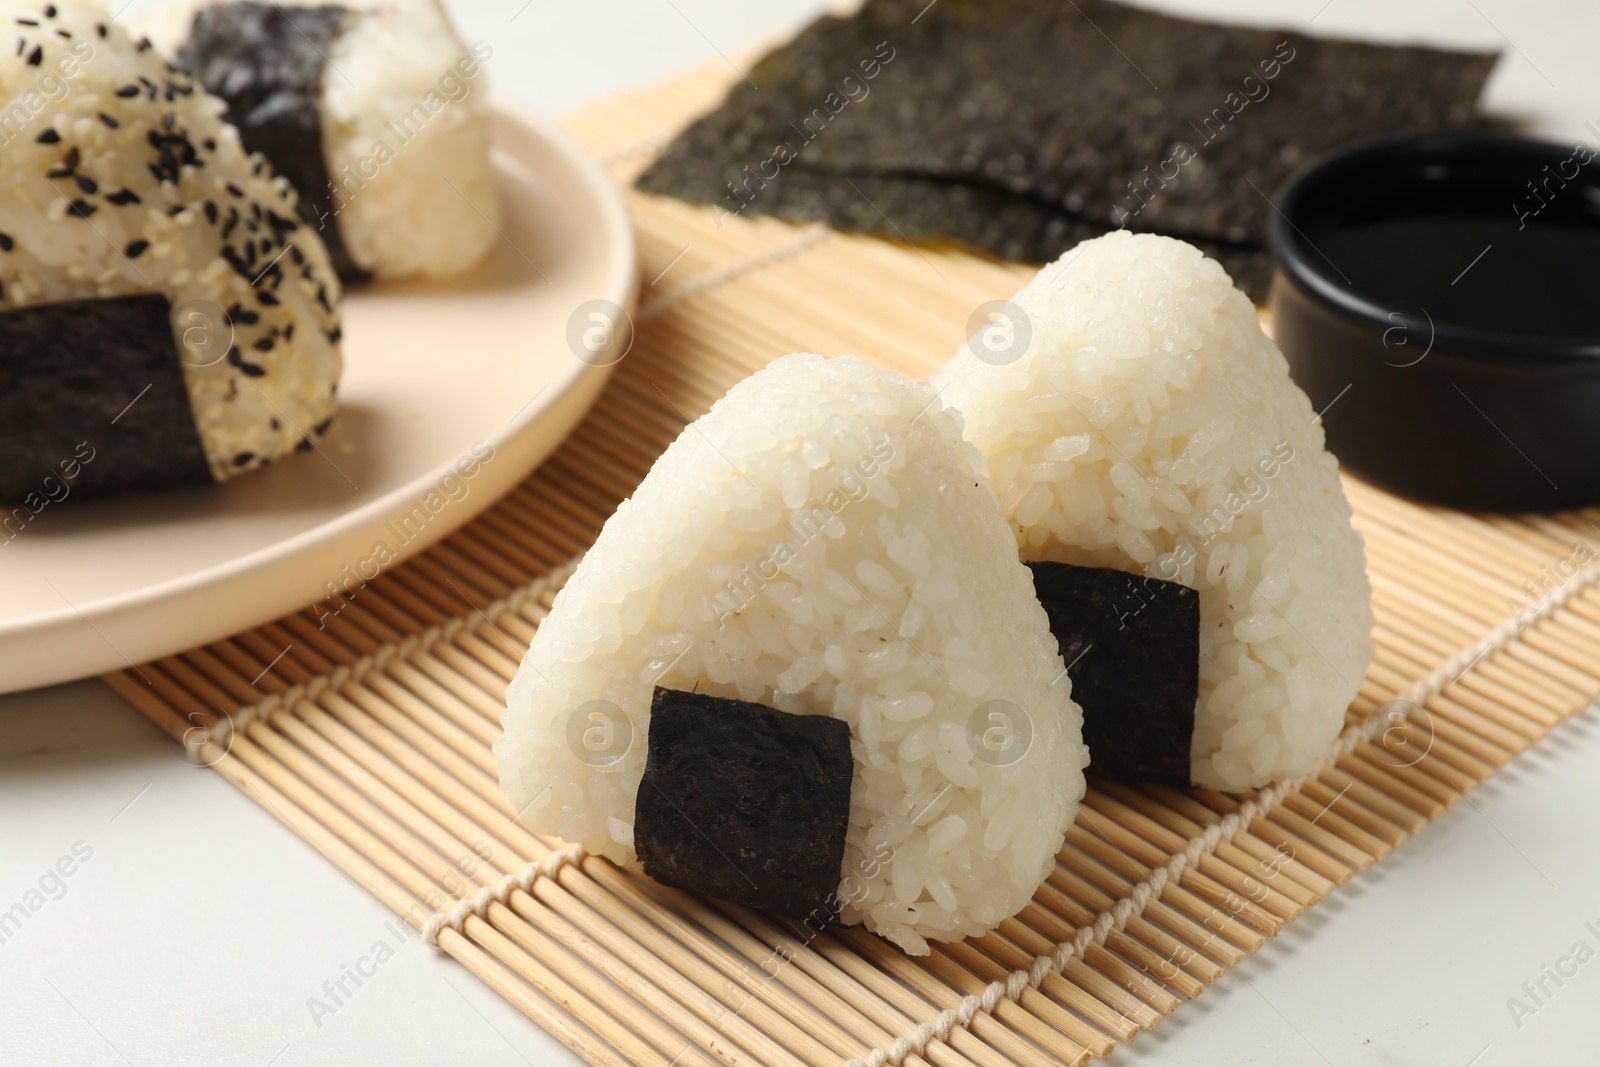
(65,34)
(109,121)
(169,120)
(73,158)
(50,11)
(267,299)
(27,22)
(336,335)
(236,261)
(135,248)
(242,458)
(304,445)
(234,189)
(250,370)
(288,332)
(128,90)
(263,345)
(144,44)
(36,56)
(6,243)
(280,225)
(122,197)
(209,145)
(58,172)
(100,28)
(87,184)
(175,210)
(211,212)
(48,137)
(82,208)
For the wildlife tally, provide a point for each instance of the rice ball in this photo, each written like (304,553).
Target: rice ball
(1133,414)
(822,542)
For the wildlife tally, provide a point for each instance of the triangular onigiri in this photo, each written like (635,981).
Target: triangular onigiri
(822,542)
(1134,415)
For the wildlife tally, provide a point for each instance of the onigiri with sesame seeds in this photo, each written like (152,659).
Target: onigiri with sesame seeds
(376,111)
(159,298)
(1149,425)
(820,543)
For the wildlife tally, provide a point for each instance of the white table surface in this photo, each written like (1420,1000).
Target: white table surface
(198,928)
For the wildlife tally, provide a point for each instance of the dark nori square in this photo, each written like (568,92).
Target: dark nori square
(1054,107)
(746,803)
(267,63)
(1132,648)
(101,372)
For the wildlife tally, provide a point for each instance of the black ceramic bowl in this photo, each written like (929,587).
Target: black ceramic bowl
(1438,298)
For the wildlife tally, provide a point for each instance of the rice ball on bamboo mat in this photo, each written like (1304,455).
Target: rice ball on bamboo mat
(377,113)
(807,634)
(1133,415)
(165,319)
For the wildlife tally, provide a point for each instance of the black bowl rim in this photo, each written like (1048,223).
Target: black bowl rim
(1297,259)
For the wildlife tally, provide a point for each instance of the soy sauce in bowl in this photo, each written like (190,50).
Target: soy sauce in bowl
(1446,289)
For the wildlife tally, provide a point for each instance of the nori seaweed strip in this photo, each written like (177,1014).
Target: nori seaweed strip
(1027,99)
(933,210)
(268,66)
(746,803)
(105,372)
(1132,649)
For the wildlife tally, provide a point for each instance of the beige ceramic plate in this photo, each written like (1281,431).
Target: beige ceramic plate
(451,394)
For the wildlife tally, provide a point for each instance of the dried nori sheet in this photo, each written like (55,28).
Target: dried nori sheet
(1056,105)
(931,211)
(101,373)
(1132,648)
(746,803)
(268,65)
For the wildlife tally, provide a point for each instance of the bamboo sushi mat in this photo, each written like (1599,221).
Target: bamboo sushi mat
(370,736)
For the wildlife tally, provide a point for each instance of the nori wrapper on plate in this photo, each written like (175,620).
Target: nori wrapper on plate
(746,803)
(1132,648)
(1056,105)
(100,373)
(268,65)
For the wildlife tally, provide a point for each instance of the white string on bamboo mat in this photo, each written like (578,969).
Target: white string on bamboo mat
(221,732)
(478,904)
(1205,843)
